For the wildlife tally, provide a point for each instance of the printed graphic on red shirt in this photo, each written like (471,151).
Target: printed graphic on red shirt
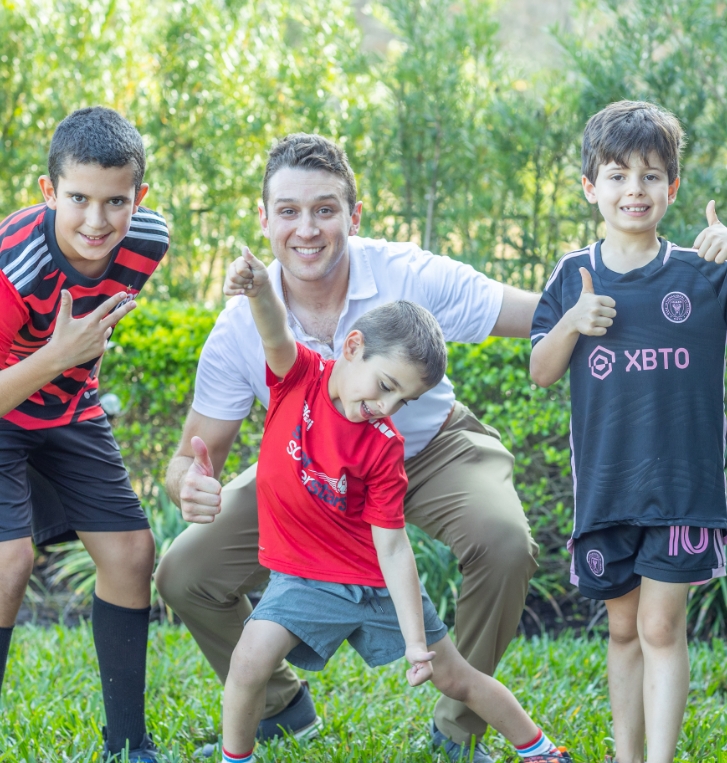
(33,272)
(324,480)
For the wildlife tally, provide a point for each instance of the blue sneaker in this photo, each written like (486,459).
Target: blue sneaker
(298,720)
(145,753)
(459,752)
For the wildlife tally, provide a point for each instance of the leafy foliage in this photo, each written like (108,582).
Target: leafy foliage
(455,148)
(151,367)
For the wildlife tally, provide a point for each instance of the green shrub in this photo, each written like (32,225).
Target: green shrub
(151,366)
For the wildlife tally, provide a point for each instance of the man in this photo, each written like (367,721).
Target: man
(460,475)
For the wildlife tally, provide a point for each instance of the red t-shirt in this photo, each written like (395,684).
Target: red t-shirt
(33,271)
(323,480)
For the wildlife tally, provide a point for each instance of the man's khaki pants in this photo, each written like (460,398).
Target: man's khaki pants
(460,492)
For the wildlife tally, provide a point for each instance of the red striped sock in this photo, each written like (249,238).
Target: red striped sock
(230,757)
(541,745)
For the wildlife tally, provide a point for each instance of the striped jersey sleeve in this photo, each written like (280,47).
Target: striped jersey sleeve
(33,272)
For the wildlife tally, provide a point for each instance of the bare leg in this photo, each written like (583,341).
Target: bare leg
(626,677)
(663,634)
(484,695)
(124,564)
(261,647)
(16,564)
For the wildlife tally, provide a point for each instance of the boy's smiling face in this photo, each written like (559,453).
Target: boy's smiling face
(364,390)
(93,206)
(634,198)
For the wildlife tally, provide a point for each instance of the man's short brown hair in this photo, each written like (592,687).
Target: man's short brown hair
(310,152)
(625,127)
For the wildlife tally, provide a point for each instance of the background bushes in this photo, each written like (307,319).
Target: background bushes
(454,145)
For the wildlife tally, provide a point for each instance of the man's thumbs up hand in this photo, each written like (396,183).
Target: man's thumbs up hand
(200,498)
(593,313)
(202,463)
(711,243)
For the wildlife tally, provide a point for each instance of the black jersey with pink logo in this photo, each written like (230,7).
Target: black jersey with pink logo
(33,271)
(647,421)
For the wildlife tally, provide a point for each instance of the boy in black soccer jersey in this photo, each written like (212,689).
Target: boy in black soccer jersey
(70,269)
(641,324)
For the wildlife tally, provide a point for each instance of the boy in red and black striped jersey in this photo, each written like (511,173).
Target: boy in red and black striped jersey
(70,269)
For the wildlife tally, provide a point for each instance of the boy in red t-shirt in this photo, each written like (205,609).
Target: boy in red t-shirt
(331,485)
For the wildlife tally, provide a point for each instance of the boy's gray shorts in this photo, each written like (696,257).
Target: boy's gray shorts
(323,615)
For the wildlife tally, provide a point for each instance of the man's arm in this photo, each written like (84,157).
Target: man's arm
(591,315)
(75,341)
(192,475)
(516,313)
(396,560)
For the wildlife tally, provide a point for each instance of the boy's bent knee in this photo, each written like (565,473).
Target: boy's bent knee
(662,632)
(16,563)
(623,633)
(139,553)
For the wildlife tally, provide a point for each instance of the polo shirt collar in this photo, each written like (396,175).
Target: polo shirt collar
(361,281)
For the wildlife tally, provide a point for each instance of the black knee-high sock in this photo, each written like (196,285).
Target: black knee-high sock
(120,635)
(5,635)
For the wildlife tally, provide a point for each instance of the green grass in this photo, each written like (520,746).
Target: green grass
(52,704)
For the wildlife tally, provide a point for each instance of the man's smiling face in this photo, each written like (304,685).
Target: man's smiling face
(308,222)
(632,198)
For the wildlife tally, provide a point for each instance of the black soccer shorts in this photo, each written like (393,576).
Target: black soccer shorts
(609,563)
(59,480)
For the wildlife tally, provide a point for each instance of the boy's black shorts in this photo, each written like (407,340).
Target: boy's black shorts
(609,563)
(59,480)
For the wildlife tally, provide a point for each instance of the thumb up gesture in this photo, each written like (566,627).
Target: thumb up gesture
(593,313)
(711,243)
(199,494)
(246,275)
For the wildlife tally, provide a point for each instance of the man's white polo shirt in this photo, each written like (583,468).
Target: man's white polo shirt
(231,371)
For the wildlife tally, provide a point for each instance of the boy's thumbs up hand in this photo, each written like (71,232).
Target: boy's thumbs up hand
(711,243)
(587,281)
(246,275)
(593,313)
(200,498)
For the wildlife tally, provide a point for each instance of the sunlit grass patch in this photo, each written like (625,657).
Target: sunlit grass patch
(52,702)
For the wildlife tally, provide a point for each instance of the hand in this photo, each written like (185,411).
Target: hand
(593,313)
(421,665)
(711,243)
(246,275)
(200,498)
(78,340)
